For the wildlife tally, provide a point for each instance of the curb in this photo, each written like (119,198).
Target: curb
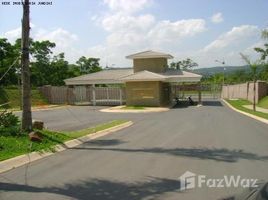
(44,108)
(245,113)
(18,161)
(118,109)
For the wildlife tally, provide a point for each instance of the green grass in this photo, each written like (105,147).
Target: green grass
(263,102)
(238,104)
(80,133)
(11,146)
(133,108)
(13,97)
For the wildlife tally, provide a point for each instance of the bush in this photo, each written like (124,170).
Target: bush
(10,131)
(8,119)
(9,124)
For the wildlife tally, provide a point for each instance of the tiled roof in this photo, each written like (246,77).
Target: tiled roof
(102,77)
(179,73)
(114,76)
(144,76)
(149,54)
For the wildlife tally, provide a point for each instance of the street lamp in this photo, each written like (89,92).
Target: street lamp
(223,64)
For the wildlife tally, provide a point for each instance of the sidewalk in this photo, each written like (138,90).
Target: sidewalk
(259,109)
(245,113)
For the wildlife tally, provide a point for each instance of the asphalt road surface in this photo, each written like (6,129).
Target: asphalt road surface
(72,118)
(146,160)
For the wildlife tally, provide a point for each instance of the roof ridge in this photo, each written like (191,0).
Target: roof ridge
(150,54)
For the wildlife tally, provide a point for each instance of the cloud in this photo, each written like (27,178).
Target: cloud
(217,18)
(166,31)
(236,36)
(60,36)
(127,6)
(227,46)
(128,33)
(14,34)
(120,21)
(65,40)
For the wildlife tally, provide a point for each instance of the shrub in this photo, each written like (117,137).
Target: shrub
(8,119)
(9,124)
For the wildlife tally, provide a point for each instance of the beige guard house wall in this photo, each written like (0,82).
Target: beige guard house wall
(157,65)
(147,93)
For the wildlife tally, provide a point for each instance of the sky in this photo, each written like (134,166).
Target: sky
(203,30)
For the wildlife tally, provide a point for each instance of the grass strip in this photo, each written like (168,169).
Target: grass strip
(238,104)
(12,146)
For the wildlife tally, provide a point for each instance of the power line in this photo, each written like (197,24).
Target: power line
(9,68)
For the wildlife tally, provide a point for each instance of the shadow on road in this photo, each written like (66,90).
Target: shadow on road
(185,104)
(211,103)
(103,189)
(223,155)
(108,142)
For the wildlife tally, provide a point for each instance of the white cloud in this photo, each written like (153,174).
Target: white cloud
(12,35)
(127,6)
(60,36)
(128,31)
(65,40)
(235,36)
(217,18)
(120,21)
(228,47)
(166,31)
(131,33)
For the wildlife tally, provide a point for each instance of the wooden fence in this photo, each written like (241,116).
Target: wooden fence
(83,95)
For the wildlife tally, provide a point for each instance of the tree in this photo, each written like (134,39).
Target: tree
(186,64)
(263,74)
(262,51)
(59,70)
(26,123)
(9,62)
(88,65)
(264,33)
(40,67)
(253,66)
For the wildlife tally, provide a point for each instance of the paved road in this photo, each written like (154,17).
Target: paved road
(145,160)
(78,117)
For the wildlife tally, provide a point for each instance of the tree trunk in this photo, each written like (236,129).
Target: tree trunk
(254,95)
(26,124)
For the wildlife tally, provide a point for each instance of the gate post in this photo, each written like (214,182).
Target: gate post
(94,95)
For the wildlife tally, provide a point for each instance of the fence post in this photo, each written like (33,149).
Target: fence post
(94,95)
(199,93)
(120,96)
(107,92)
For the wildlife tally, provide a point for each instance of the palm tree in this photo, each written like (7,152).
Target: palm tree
(264,33)
(253,66)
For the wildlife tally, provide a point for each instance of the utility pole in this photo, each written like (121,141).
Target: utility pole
(26,123)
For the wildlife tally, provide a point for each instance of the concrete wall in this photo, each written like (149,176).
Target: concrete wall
(245,91)
(157,65)
(147,93)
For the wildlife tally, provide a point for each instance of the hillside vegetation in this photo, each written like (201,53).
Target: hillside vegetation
(13,97)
